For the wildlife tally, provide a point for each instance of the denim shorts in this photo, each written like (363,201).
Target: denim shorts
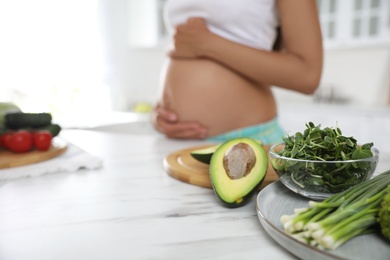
(269,133)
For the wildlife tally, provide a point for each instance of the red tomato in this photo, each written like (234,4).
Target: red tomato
(6,138)
(42,140)
(20,142)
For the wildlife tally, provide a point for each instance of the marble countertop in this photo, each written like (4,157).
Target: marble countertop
(129,209)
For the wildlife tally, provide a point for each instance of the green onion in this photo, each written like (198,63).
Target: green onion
(341,217)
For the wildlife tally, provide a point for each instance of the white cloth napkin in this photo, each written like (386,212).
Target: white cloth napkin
(72,160)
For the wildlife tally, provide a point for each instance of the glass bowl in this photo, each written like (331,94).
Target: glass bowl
(318,180)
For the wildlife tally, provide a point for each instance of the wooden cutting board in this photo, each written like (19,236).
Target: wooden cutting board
(182,166)
(10,159)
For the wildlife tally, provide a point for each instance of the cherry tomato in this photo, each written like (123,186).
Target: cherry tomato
(21,141)
(42,140)
(6,138)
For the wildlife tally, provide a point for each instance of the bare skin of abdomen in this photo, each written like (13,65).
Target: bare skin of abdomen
(205,91)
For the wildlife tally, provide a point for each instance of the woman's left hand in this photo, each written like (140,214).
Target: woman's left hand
(189,39)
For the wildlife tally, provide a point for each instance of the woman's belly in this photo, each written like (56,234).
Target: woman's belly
(207,92)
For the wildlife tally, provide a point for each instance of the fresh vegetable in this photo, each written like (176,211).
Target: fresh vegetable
(384,215)
(54,129)
(20,142)
(25,120)
(6,108)
(341,217)
(204,155)
(6,138)
(38,126)
(237,168)
(42,140)
(328,144)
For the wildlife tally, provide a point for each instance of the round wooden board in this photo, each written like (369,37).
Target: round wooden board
(182,166)
(10,159)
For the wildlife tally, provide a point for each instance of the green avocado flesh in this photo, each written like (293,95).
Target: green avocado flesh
(237,168)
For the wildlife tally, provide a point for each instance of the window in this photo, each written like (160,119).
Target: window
(354,22)
(51,56)
(328,17)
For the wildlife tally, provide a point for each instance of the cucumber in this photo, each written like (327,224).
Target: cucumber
(25,120)
(54,129)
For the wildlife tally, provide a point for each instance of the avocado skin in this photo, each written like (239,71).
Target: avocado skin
(203,158)
(254,144)
(204,155)
(244,201)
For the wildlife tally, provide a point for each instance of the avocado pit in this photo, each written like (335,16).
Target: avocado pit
(237,168)
(239,160)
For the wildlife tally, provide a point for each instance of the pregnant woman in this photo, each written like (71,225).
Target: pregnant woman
(217,82)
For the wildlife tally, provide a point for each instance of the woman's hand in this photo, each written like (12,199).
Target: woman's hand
(189,39)
(167,122)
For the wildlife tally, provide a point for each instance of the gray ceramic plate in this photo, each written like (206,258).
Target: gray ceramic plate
(276,200)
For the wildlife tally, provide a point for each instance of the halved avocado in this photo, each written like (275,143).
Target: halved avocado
(237,168)
(204,155)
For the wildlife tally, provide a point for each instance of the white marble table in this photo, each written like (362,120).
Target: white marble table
(129,209)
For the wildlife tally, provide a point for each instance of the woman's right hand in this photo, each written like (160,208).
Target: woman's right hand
(167,122)
(189,39)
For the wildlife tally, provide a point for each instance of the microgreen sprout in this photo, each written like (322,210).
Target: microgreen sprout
(325,145)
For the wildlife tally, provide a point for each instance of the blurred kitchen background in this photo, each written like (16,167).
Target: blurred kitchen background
(96,63)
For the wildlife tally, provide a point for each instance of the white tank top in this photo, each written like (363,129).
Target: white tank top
(249,22)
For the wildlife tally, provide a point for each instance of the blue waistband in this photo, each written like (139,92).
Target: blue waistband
(269,133)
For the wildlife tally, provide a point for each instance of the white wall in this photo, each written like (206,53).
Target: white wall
(132,73)
(362,73)
(360,76)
